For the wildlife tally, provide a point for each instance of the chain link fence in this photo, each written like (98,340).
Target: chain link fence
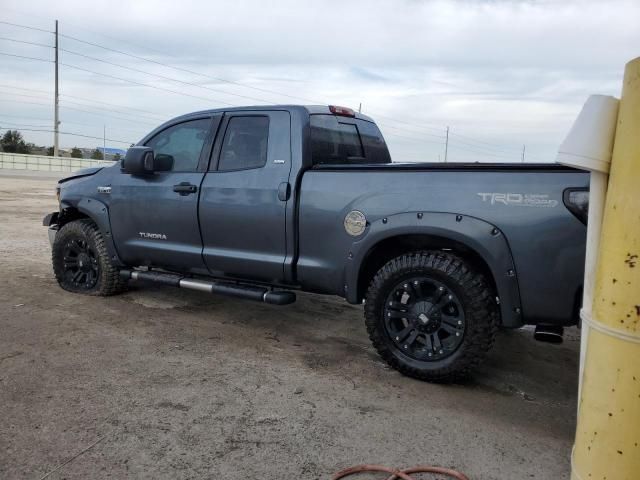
(19,161)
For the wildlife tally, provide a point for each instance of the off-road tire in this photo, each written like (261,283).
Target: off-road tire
(106,281)
(475,295)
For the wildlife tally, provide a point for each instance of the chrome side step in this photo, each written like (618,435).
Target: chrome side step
(250,292)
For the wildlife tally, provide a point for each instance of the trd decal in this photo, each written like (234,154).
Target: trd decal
(519,199)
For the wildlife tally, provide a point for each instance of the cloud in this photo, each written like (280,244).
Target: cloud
(499,73)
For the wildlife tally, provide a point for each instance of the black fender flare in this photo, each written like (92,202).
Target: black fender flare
(482,237)
(99,213)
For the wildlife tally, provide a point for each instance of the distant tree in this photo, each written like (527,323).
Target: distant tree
(116,157)
(12,142)
(50,152)
(97,155)
(76,152)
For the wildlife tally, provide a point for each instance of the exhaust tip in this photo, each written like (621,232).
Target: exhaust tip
(549,333)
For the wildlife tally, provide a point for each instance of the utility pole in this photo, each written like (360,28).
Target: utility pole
(446,146)
(104,142)
(360,108)
(523,148)
(56,119)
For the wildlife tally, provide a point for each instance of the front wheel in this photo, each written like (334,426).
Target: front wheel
(431,315)
(81,262)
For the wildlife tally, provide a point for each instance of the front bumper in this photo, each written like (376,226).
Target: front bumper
(51,221)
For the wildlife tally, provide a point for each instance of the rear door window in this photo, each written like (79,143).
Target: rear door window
(245,143)
(336,140)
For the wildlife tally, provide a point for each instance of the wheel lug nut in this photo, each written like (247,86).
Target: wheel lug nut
(440,288)
(397,338)
(457,334)
(405,347)
(459,322)
(441,352)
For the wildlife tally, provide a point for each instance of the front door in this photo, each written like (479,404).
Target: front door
(244,196)
(154,217)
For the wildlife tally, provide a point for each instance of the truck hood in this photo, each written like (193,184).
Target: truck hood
(84,172)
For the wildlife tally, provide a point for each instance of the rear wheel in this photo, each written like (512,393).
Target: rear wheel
(430,315)
(81,263)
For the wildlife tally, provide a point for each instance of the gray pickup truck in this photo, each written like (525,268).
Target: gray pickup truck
(259,202)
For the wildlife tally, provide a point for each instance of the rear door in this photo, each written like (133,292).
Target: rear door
(244,196)
(154,217)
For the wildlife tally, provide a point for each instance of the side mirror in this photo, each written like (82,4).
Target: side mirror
(141,161)
(137,161)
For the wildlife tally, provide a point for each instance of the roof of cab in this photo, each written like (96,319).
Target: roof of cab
(310,109)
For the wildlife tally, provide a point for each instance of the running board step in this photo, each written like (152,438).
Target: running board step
(250,292)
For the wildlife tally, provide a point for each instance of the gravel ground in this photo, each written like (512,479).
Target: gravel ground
(169,383)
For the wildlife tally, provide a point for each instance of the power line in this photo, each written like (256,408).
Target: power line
(515,156)
(160,116)
(25,89)
(115,105)
(483,148)
(74,134)
(23,95)
(384,125)
(25,42)
(147,85)
(421,140)
(101,113)
(102,109)
(137,57)
(489,144)
(20,125)
(25,26)
(108,116)
(25,57)
(27,118)
(164,77)
(83,125)
(23,102)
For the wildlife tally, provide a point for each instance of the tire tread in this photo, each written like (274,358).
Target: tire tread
(481,308)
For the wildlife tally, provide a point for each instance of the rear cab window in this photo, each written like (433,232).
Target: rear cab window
(337,140)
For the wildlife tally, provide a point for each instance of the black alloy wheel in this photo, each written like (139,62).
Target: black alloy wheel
(424,318)
(81,262)
(81,267)
(431,315)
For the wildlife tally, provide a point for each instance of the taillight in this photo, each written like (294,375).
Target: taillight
(577,201)
(343,111)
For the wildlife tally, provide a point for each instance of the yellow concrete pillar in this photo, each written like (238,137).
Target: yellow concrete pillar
(607,442)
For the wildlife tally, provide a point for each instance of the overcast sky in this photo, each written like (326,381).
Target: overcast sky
(500,74)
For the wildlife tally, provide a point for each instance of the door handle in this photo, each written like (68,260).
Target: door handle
(185,188)
(284,191)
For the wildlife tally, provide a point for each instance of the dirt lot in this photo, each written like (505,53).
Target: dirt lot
(179,384)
